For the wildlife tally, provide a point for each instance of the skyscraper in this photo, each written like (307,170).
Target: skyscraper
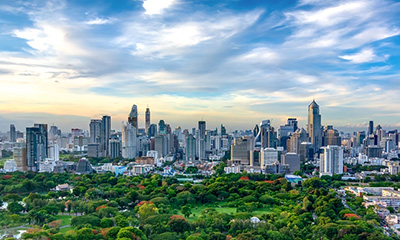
(162,128)
(129,141)
(331,160)
(371,128)
(147,123)
(13,134)
(190,148)
(223,130)
(314,126)
(133,116)
(201,138)
(152,130)
(95,130)
(105,133)
(36,146)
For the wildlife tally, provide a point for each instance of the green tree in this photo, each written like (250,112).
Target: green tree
(186,211)
(15,207)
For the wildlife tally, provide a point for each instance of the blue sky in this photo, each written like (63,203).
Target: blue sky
(232,62)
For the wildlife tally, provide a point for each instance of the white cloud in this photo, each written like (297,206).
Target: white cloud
(101,21)
(49,38)
(366,55)
(157,6)
(158,39)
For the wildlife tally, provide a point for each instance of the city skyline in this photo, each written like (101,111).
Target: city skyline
(236,63)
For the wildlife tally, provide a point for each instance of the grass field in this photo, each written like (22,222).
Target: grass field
(65,219)
(197,211)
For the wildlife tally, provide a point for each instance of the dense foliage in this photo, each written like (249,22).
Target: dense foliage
(151,207)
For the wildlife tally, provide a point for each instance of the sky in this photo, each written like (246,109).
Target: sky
(233,62)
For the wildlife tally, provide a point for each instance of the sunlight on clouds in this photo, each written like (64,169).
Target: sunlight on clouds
(156,6)
(101,21)
(49,39)
(366,55)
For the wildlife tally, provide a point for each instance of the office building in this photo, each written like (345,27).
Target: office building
(36,146)
(105,134)
(240,151)
(129,141)
(268,156)
(314,126)
(371,128)
(190,148)
(115,148)
(293,160)
(95,130)
(133,118)
(147,120)
(331,160)
(286,130)
(19,154)
(13,133)
(201,140)
(331,136)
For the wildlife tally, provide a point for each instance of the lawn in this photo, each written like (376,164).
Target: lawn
(65,219)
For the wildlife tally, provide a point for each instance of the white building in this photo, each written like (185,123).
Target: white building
(232,169)
(129,141)
(10,166)
(54,152)
(268,156)
(47,165)
(331,160)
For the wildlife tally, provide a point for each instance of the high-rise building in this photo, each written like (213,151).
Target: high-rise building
(371,128)
(331,136)
(13,133)
(268,156)
(268,135)
(331,160)
(36,146)
(190,148)
(201,140)
(95,130)
(293,160)
(240,151)
(133,117)
(147,122)
(129,141)
(223,130)
(19,154)
(115,148)
(152,130)
(162,127)
(105,133)
(53,132)
(293,143)
(286,130)
(314,126)
(160,145)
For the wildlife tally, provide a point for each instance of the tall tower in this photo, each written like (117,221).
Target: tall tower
(147,123)
(201,139)
(105,134)
(13,134)
(133,115)
(314,126)
(371,128)
(95,130)
(36,146)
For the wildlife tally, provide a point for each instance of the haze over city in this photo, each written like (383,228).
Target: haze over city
(235,63)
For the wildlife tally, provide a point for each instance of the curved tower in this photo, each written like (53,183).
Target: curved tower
(132,119)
